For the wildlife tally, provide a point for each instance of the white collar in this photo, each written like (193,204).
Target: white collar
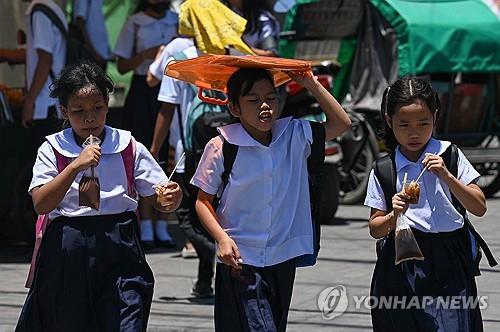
(434,146)
(115,141)
(236,134)
(141,19)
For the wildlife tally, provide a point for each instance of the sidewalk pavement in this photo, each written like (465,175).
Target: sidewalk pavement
(347,258)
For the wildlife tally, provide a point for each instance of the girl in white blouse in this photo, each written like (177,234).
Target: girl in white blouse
(91,272)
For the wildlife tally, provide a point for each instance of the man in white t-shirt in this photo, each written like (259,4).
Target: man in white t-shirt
(89,19)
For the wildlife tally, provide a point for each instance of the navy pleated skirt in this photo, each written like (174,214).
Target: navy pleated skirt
(447,272)
(91,276)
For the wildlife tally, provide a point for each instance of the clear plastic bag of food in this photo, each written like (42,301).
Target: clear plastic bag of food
(89,188)
(405,243)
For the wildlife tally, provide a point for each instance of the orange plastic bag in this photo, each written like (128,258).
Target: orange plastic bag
(213,71)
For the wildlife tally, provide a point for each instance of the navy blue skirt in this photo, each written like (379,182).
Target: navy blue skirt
(91,276)
(255,299)
(445,275)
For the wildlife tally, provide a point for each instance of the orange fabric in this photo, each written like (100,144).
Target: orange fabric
(213,71)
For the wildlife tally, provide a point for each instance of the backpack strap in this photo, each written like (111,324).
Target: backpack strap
(128,157)
(450,158)
(229,152)
(61,161)
(315,163)
(385,171)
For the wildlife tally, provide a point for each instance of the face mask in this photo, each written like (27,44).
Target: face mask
(160,7)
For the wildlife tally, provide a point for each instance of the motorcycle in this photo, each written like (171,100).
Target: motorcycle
(349,158)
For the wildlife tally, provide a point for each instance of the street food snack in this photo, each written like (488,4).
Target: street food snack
(412,189)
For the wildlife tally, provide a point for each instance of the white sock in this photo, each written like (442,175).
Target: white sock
(161,229)
(147,230)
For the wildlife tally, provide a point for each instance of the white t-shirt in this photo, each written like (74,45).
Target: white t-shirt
(44,35)
(178,92)
(110,171)
(265,205)
(91,12)
(141,32)
(157,68)
(434,212)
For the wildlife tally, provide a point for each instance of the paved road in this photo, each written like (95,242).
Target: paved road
(347,258)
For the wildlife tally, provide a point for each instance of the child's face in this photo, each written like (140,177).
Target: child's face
(258,109)
(86,112)
(412,125)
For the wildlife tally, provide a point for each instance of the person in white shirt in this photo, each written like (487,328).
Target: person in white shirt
(89,20)
(144,32)
(263,30)
(45,58)
(91,272)
(263,222)
(409,108)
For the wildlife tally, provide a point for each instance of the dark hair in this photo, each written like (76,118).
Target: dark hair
(79,76)
(251,11)
(404,92)
(241,82)
(142,6)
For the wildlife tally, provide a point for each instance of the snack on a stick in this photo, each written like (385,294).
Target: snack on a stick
(413,190)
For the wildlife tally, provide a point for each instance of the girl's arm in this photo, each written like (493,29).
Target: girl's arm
(470,196)
(337,120)
(126,65)
(382,223)
(227,250)
(47,197)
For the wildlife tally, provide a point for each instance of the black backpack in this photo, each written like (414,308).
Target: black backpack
(385,171)
(76,51)
(315,169)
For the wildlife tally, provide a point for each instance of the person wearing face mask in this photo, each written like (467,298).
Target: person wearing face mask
(153,25)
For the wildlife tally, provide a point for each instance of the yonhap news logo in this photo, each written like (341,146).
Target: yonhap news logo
(334,301)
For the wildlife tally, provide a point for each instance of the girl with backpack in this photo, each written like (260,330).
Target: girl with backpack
(263,220)
(153,25)
(91,273)
(410,108)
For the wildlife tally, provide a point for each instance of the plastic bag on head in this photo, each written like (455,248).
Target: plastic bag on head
(404,242)
(89,187)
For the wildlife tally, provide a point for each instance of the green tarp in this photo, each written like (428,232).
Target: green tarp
(443,35)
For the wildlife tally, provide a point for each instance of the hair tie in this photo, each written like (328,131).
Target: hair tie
(411,88)
(386,98)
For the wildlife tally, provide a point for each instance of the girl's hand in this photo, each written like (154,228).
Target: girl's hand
(149,53)
(169,196)
(89,156)
(435,164)
(400,203)
(228,253)
(306,79)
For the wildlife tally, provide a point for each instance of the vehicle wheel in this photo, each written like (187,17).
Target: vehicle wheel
(354,179)
(490,172)
(329,193)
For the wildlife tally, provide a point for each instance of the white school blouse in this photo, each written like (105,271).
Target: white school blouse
(91,12)
(434,212)
(265,206)
(141,32)
(44,35)
(157,68)
(110,171)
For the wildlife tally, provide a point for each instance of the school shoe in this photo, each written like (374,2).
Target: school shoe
(148,245)
(188,253)
(202,291)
